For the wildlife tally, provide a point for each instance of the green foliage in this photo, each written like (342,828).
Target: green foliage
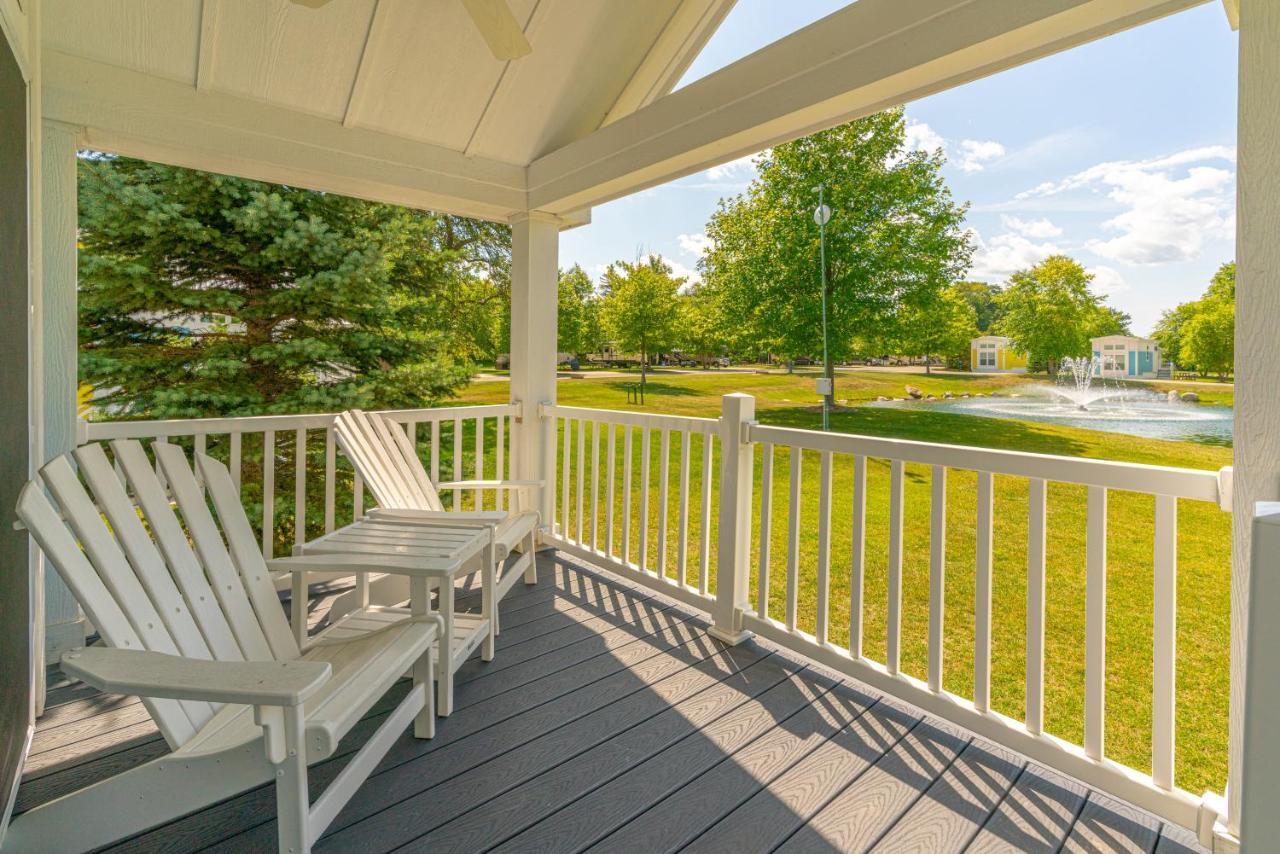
(1200,335)
(1049,311)
(982,298)
(704,332)
(641,310)
(203,295)
(895,237)
(941,326)
(578,316)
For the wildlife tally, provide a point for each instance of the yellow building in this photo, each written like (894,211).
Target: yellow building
(994,354)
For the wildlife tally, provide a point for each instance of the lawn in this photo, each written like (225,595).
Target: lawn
(1203,548)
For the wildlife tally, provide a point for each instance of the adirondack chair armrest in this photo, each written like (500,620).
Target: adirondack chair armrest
(347,563)
(443,518)
(156,674)
(490,484)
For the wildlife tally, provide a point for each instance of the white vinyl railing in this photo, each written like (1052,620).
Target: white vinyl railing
(694,508)
(452,439)
(612,494)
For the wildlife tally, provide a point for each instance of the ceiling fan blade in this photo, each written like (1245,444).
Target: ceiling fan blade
(310,4)
(501,30)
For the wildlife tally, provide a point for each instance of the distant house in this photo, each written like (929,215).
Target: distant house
(994,354)
(1126,356)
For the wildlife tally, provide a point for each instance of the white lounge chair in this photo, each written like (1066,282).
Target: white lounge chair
(195,628)
(389,465)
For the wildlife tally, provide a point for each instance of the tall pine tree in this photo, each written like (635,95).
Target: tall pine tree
(203,295)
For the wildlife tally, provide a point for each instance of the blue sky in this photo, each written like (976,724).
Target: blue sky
(1120,153)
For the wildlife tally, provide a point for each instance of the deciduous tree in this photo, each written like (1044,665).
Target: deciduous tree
(641,310)
(1049,311)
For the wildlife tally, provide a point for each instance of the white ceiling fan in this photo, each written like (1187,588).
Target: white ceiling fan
(493,18)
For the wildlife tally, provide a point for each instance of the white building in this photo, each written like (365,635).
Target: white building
(1126,357)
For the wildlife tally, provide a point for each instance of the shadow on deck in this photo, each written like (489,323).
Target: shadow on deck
(611,721)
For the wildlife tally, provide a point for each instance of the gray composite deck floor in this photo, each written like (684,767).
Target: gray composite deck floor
(611,721)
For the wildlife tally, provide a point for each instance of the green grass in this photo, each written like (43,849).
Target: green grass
(1203,548)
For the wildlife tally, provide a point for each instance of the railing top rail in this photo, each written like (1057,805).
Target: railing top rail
(636,419)
(104,430)
(1193,484)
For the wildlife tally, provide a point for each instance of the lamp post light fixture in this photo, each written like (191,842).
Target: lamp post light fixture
(826,383)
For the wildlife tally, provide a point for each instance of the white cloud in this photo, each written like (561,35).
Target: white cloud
(694,244)
(1007,253)
(1037,228)
(1170,206)
(1107,280)
(744,168)
(921,137)
(975,152)
(680,271)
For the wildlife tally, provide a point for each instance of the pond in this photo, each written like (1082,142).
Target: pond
(1150,417)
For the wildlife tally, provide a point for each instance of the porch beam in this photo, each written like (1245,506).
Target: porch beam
(1256,470)
(868,56)
(535,259)
(140,115)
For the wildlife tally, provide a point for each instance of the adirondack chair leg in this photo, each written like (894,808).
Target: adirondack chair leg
(298,608)
(292,804)
(531,552)
(489,600)
(424,725)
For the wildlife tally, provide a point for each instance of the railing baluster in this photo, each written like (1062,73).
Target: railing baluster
(299,487)
(234,460)
(937,573)
(793,537)
(664,471)
(357,496)
(1095,623)
(1165,629)
(566,460)
(1037,499)
(766,525)
(200,448)
(611,468)
(626,493)
(857,554)
(893,630)
(330,478)
(824,546)
(683,518)
(982,594)
(644,499)
(477,495)
(435,450)
(457,461)
(582,465)
(595,485)
(704,558)
(500,462)
(268,492)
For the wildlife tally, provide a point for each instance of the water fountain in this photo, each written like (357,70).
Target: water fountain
(1083,397)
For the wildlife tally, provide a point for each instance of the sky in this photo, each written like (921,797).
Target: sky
(1120,153)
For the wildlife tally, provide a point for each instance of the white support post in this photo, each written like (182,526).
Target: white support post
(734,541)
(58,380)
(535,245)
(1257,436)
(1260,784)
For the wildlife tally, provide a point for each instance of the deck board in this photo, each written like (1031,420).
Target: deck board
(610,720)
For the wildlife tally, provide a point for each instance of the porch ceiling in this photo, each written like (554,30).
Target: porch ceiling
(403,102)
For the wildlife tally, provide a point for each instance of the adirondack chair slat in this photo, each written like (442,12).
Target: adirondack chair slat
(172,544)
(267,618)
(358,441)
(54,538)
(114,570)
(114,502)
(176,544)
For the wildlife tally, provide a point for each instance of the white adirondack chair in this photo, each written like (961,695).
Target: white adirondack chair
(195,628)
(387,462)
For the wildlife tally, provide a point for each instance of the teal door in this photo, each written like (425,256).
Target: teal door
(1133,363)
(1145,363)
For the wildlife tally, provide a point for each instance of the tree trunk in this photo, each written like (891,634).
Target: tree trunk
(928,365)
